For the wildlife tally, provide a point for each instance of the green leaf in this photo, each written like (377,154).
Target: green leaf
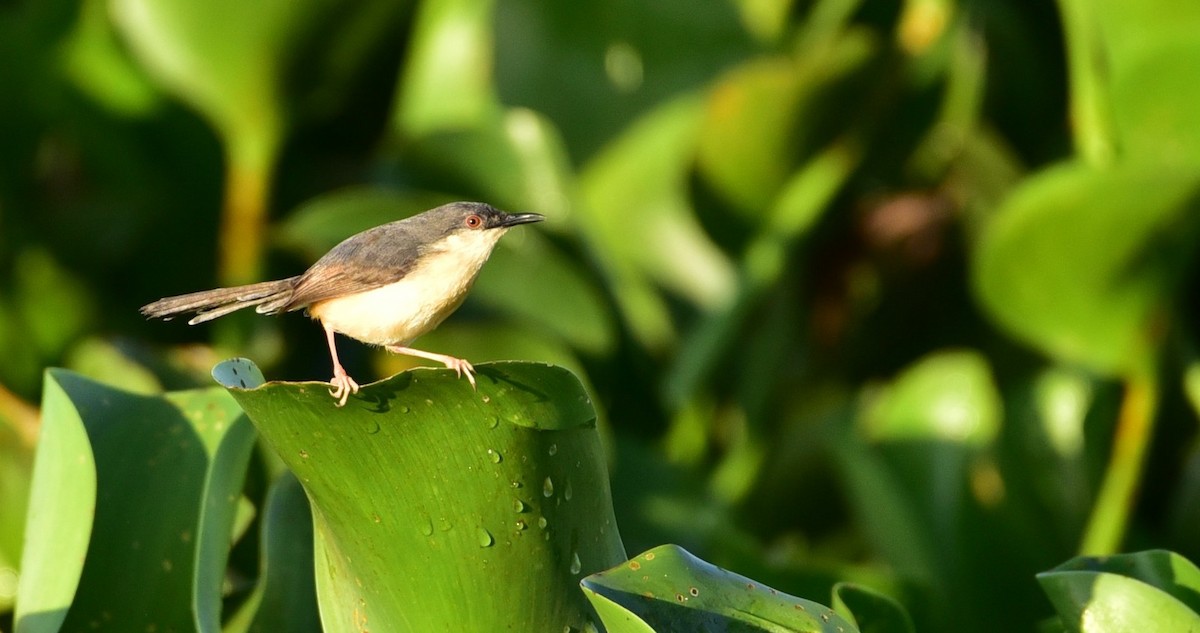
(1146,591)
(1154,104)
(667,589)
(321,222)
(437,507)
(285,598)
(945,396)
(447,81)
(770,115)
(132,508)
(642,226)
(96,62)
(871,611)
(514,160)
(1079,262)
(225,58)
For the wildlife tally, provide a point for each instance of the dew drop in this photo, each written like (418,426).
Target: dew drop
(548,488)
(519,506)
(493,422)
(303,454)
(485,538)
(567,491)
(543,523)
(522,525)
(553,450)
(404,408)
(426,526)
(495,456)
(444,524)
(517,484)
(575,564)
(487,399)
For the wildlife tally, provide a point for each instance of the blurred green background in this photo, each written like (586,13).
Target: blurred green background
(893,292)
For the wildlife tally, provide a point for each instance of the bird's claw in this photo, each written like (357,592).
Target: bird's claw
(460,367)
(343,385)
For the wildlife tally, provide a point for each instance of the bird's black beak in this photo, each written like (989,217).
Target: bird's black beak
(513,219)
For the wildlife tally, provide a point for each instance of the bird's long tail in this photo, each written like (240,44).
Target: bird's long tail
(269,296)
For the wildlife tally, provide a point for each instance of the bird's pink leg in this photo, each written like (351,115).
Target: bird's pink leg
(459,365)
(343,385)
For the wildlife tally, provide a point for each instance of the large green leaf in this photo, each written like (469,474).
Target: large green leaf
(437,507)
(225,58)
(871,611)
(132,508)
(284,601)
(772,114)
(666,589)
(1146,591)
(637,216)
(1079,262)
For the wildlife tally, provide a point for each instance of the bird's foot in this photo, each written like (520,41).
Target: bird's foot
(343,385)
(460,367)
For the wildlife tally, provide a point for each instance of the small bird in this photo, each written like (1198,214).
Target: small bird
(385,286)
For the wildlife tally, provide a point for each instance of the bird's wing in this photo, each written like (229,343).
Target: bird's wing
(364,262)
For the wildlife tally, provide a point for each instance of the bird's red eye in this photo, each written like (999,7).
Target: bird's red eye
(473,221)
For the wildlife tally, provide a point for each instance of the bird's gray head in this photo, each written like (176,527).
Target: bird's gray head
(469,217)
(468,230)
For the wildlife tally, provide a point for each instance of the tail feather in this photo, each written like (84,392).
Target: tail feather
(210,304)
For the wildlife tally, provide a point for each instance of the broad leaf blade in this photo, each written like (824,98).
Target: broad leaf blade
(162,476)
(1078,262)
(870,610)
(668,590)
(440,508)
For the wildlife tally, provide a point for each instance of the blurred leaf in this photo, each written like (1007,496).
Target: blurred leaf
(229,60)
(225,58)
(55,306)
(430,491)
(594,67)
(317,225)
(1079,262)
(800,204)
(1161,569)
(772,114)
(667,589)
(638,220)
(104,362)
(447,81)
(869,610)
(529,278)
(1147,591)
(1154,104)
(945,396)
(16,468)
(766,19)
(515,161)
(107,457)
(93,58)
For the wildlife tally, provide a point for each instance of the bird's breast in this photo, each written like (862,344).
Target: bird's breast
(401,311)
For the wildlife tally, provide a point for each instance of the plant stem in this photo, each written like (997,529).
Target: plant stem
(1090,111)
(1135,425)
(249,165)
